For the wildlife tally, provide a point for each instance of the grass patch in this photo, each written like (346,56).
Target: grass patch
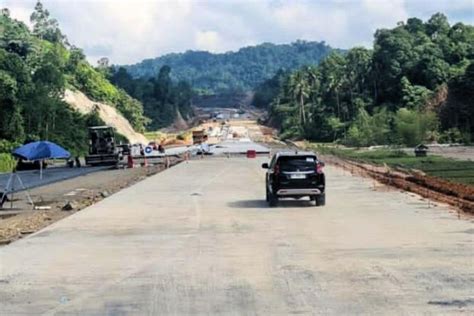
(7,162)
(151,136)
(461,171)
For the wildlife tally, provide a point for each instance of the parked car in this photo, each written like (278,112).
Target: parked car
(295,175)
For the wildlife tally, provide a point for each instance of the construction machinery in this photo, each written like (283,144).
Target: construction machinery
(199,137)
(103,149)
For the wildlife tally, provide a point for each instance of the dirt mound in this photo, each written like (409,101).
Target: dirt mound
(179,122)
(458,190)
(110,115)
(458,195)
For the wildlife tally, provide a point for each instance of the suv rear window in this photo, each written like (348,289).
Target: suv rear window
(297,163)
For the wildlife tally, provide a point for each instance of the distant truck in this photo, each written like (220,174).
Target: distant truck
(199,137)
(103,149)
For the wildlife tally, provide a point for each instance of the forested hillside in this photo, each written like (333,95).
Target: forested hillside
(35,69)
(240,71)
(163,100)
(415,85)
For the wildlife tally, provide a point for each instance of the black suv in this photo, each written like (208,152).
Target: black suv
(295,175)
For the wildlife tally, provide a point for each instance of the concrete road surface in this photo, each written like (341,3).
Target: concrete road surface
(199,239)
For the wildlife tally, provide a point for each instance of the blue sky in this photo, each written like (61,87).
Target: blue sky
(128,31)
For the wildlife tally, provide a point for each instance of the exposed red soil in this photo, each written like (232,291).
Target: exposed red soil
(458,195)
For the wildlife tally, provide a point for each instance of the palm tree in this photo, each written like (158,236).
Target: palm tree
(334,68)
(334,84)
(299,89)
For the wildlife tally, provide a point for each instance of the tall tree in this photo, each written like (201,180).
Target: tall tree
(44,26)
(299,88)
(359,75)
(332,72)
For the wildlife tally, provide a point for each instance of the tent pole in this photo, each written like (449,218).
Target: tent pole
(41,169)
(13,191)
(27,191)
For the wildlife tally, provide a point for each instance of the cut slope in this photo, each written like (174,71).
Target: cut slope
(110,115)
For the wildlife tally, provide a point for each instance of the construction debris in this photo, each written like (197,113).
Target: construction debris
(104,193)
(46,207)
(70,206)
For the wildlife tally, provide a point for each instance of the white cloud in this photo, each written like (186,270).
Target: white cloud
(207,40)
(128,31)
(18,12)
(385,12)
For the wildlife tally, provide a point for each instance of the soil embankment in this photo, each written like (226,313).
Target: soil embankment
(455,194)
(110,115)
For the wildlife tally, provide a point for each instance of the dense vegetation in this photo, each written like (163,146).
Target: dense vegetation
(234,71)
(415,85)
(35,69)
(163,100)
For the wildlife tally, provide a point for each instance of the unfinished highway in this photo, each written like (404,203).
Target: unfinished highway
(199,239)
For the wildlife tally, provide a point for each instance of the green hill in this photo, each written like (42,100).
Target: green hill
(36,68)
(242,70)
(416,85)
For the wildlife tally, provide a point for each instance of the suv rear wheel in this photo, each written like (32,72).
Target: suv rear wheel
(272,199)
(320,200)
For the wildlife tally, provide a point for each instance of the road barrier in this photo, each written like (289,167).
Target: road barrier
(147,160)
(129,161)
(251,153)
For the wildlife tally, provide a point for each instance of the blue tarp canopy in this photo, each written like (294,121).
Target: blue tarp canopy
(41,150)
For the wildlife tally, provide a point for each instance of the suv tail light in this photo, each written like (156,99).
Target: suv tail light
(319,168)
(276,170)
